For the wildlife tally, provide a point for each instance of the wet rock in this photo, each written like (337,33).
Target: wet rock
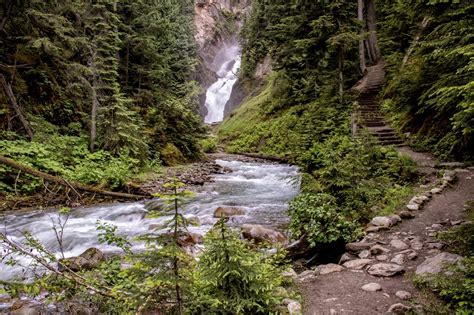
(398,259)
(356,247)
(346,257)
(435,265)
(154,205)
(226,212)
(371,287)
(404,295)
(89,259)
(357,264)
(406,215)
(381,221)
(258,233)
(364,254)
(294,307)
(413,206)
(398,308)
(329,268)
(398,244)
(385,270)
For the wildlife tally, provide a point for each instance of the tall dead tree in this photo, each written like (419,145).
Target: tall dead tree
(366,14)
(360,17)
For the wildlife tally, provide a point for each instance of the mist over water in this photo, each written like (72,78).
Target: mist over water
(227,62)
(263,190)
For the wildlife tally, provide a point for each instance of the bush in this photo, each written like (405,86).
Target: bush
(209,145)
(317,216)
(231,278)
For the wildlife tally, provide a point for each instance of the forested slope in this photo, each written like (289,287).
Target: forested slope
(100,88)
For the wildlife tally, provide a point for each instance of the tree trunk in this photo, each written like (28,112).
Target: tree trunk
(360,17)
(14,105)
(340,62)
(95,102)
(11,163)
(423,25)
(372,28)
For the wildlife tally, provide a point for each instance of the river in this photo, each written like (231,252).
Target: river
(262,189)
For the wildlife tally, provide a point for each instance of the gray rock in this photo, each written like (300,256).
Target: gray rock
(399,308)
(398,244)
(413,206)
(435,245)
(372,229)
(456,222)
(417,200)
(290,273)
(27,307)
(377,249)
(406,215)
(404,295)
(398,259)
(294,307)
(381,257)
(258,233)
(91,258)
(329,268)
(371,287)
(395,218)
(357,264)
(364,254)
(385,270)
(306,276)
(226,212)
(381,221)
(436,226)
(416,245)
(356,247)
(346,257)
(412,255)
(435,265)
(436,190)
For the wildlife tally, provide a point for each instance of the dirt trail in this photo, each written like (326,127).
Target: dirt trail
(341,293)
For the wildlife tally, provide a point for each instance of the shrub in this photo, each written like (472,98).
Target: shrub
(317,216)
(209,145)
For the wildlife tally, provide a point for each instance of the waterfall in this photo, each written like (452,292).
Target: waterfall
(227,61)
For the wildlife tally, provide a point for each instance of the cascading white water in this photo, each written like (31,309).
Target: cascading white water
(227,62)
(262,189)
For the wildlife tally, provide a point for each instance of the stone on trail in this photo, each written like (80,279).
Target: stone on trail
(364,254)
(381,221)
(406,215)
(385,270)
(395,218)
(357,264)
(381,257)
(356,247)
(259,233)
(399,259)
(294,307)
(404,295)
(398,308)
(371,287)
(226,212)
(377,249)
(413,206)
(436,190)
(435,265)
(398,244)
(329,268)
(306,275)
(346,257)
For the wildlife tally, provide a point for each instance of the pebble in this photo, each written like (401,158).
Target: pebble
(404,295)
(371,287)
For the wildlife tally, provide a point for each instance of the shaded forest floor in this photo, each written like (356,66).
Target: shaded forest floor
(342,293)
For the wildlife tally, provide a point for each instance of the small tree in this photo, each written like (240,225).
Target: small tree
(232,278)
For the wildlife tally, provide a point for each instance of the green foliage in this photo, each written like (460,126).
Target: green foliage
(431,96)
(457,288)
(459,239)
(317,216)
(209,145)
(232,278)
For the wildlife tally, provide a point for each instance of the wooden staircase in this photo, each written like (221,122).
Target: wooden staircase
(367,112)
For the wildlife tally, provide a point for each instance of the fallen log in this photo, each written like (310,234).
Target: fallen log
(11,163)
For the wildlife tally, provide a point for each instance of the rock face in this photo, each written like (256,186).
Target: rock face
(435,265)
(88,260)
(385,270)
(226,212)
(258,233)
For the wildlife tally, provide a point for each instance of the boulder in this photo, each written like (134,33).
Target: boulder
(226,212)
(404,295)
(434,265)
(371,287)
(154,205)
(329,268)
(398,244)
(385,270)
(88,260)
(357,263)
(381,221)
(258,233)
(356,247)
(398,308)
